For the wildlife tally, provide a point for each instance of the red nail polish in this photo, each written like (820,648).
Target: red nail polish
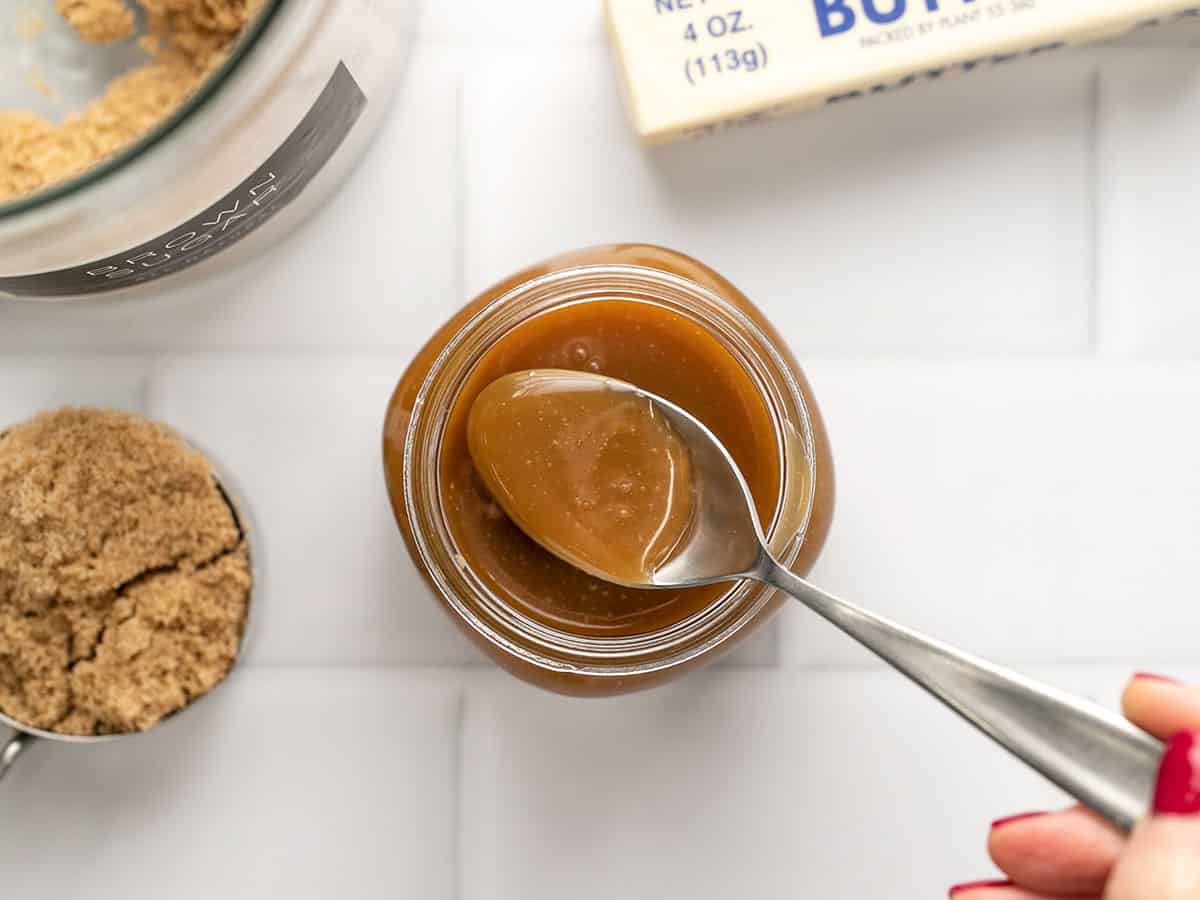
(1150,676)
(1017,818)
(975,885)
(1178,789)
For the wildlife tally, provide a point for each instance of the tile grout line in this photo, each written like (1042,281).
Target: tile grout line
(387,352)
(488,671)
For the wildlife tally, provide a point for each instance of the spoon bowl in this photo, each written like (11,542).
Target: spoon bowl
(725,539)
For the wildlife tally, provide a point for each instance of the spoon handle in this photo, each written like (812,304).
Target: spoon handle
(1091,753)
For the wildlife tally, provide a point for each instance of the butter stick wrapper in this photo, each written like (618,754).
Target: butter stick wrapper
(694,66)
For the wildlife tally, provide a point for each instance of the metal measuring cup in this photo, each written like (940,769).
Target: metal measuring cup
(24,736)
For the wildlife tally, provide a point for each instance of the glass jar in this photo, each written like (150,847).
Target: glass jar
(262,143)
(415,431)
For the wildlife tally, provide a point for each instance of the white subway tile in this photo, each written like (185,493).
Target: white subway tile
(760,649)
(816,784)
(834,783)
(302,436)
(1149,189)
(1042,511)
(543,23)
(301,783)
(948,217)
(32,384)
(370,270)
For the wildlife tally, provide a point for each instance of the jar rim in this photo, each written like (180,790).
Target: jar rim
(206,91)
(520,635)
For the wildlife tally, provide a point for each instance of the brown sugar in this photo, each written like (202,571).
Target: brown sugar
(98,21)
(186,41)
(124,575)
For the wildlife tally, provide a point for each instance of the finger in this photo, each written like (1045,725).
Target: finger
(1066,854)
(1160,705)
(996,890)
(1162,861)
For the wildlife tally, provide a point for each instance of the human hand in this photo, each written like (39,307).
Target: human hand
(1074,853)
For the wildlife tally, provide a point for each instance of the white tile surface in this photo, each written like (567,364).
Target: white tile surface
(827,784)
(761,649)
(822,785)
(30,384)
(286,783)
(1035,511)
(1149,193)
(947,218)
(529,23)
(303,437)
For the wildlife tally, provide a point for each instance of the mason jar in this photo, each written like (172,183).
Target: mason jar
(562,649)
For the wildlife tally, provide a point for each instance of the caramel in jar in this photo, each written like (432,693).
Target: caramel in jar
(663,350)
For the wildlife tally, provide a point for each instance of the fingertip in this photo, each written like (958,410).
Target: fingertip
(1009,838)
(1160,704)
(1153,677)
(1064,853)
(1019,817)
(959,891)
(1139,687)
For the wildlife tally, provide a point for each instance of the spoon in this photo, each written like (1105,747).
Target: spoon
(1090,752)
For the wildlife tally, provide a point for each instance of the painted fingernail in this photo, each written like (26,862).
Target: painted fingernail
(976,885)
(1008,820)
(1178,789)
(1150,676)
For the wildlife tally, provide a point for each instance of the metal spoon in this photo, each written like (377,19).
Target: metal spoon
(1091,753)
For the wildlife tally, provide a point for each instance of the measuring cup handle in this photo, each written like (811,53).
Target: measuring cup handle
(16,745)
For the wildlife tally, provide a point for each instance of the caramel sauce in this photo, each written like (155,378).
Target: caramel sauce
(591,472)
(649,346)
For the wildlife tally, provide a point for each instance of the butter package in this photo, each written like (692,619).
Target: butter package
(694,66)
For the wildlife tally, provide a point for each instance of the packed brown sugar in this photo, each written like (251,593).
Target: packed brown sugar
(185,41)
(124,575)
